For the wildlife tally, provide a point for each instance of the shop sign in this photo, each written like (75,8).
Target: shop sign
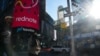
(25,29)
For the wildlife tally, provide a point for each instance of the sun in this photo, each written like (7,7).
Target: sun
(95,9)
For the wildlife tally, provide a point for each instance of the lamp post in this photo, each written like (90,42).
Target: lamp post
(69,14)
(71,28)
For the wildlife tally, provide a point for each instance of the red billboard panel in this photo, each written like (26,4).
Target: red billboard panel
(26,14)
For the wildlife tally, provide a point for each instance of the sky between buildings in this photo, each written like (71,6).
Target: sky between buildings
(52,7)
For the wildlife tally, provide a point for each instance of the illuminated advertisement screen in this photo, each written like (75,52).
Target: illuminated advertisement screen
(26,14)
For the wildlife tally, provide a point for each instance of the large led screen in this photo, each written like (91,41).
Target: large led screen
(26,14)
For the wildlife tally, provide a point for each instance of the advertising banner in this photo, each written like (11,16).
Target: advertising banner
(26,14)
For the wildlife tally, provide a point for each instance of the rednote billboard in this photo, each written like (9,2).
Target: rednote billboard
(26,14)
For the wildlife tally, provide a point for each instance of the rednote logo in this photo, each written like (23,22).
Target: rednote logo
(20,2)
(26,14)
(26,19)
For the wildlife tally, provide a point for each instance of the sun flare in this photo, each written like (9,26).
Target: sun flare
(95,9)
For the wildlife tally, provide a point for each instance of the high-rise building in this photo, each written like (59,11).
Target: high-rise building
(60,13)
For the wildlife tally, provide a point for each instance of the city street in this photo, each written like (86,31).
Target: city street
(82,53)
(42,54)
(50,27)
(53,54)
(95,52)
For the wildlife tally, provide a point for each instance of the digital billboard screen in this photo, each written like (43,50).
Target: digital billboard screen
(26,14)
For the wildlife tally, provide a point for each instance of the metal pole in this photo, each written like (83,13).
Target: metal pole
(71,28)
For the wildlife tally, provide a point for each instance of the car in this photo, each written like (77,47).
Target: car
(60,49)
(45,48)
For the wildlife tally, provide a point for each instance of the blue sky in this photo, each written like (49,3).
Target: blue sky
(52,7)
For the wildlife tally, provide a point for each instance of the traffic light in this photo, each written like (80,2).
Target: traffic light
(63,25)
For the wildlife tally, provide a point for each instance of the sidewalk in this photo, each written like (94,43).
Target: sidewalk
(89,52)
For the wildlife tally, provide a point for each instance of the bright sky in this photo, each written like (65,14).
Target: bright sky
(52,7)
(95,9)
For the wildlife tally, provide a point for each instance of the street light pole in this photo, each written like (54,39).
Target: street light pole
(69,3)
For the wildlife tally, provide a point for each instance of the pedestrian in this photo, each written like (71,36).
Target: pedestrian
(35,48)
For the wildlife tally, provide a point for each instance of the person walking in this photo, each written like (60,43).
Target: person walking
(34,48)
